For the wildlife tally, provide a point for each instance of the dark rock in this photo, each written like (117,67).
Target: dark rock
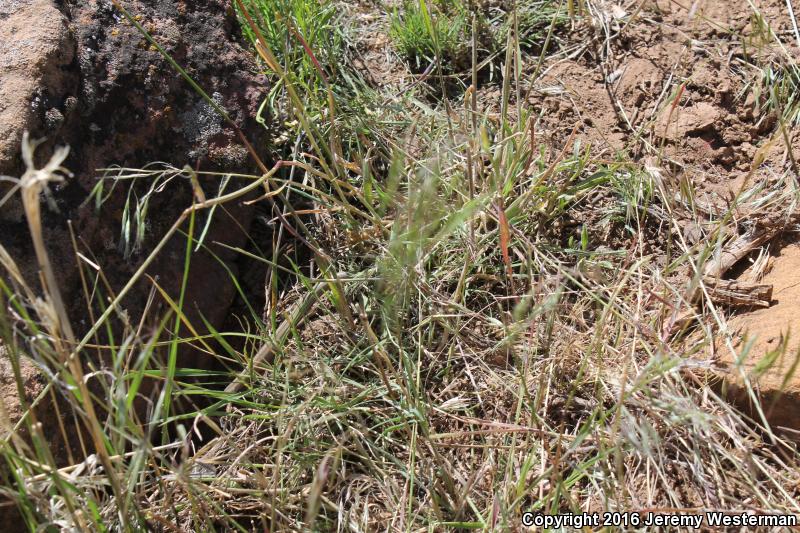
(78,73)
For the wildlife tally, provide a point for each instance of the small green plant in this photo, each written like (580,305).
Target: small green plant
(534,19)
(634,189)
(780,87)
(421,33)
(303,36)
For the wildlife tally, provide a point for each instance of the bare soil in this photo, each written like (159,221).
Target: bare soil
(618,93)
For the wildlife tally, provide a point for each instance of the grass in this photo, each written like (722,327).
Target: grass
(534,19)
(291,29)
(485,328)
(775,87)
(422,33)
(777,84)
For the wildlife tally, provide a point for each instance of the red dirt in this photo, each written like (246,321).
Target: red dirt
(620,93)
(768,329)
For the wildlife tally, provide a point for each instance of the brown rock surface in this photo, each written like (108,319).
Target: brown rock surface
(769,330)
(686,121)
(35,46)
(31,379)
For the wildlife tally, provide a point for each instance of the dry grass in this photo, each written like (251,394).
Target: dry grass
(493,331)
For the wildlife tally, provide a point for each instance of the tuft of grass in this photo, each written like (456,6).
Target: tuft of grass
(777,84)
(778,81)
(423,32)
(314,20)
(535,18)
(780,87)
(303,35)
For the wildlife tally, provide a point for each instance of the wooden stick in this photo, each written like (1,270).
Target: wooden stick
(266,354)
(735,293)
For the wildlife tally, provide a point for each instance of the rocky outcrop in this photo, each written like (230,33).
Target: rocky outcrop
(77,73)
(34,58)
